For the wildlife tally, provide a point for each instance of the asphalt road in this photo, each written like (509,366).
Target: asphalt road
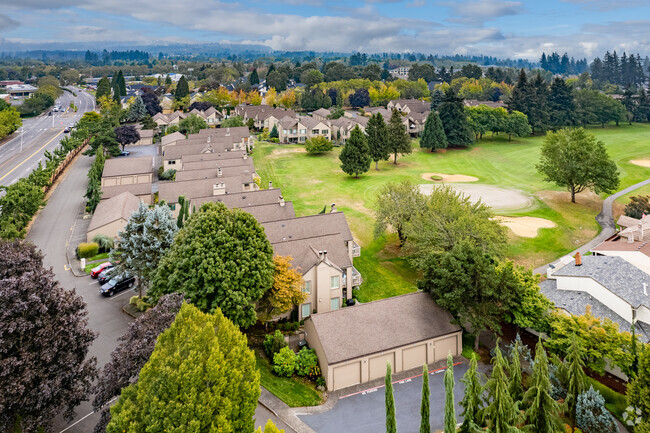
(365,412)
(20,155)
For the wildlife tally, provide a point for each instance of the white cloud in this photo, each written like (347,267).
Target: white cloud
(7,23)
(477,12)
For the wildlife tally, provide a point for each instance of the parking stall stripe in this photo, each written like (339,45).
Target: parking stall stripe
(408,379)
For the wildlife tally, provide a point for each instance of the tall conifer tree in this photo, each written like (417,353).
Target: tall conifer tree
(355,156)
(391,422)
(472,399)
(377,140)
(454,120)
(425,408)
(450,408)
(541,409)
(398,140)
(433,137)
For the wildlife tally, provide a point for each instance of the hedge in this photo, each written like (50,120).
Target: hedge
(87,249)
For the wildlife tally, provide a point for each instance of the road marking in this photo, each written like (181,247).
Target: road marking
(27,159)
(406,380)
(123,293)
(83,418)
(92,283)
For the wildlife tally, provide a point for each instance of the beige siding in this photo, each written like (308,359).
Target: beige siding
(110,230)
(377,365)
(444,346)
(414,357)
(110,181)
(347,375)
(321,289)
(127,180)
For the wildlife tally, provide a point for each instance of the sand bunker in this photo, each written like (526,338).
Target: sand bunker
(526,227)
(450,177)
(641,162)
(497,198)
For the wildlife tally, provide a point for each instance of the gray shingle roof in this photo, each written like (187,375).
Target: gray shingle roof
(614,273)
(137,189)
(380,325)
(308,227)
(126,166)
(305,251)
(241,200)
(200,164)
(119,207)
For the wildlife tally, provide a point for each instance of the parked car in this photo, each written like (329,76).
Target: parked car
(105,275)
(94,272)
(117,284)
(66,130)
(125,153)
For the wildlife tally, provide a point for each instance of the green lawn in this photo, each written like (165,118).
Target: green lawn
(93,261)
(293,391)
(312,182)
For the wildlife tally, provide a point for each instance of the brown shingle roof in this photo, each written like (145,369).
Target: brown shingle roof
(137,189)
(246,164)
(126,166)
(242,199)
(305,251)
(119,207)
(176,152)
(271,212)
(308,227)
(243,175)
(170,138)
(170,191)
(233,154)
(381,325)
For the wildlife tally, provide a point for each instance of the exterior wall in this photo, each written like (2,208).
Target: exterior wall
(127,180)
(144,141)
(321,291)
(110,230)
(402,358)
(606,297)
(635,258)
(174,163)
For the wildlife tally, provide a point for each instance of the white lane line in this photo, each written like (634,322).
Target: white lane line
(117,296)
(83,418)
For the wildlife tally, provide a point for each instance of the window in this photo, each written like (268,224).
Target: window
(172,162)
(307,287)
(172,206)
(335,303)
(314,131)
(335,282)
(303,131)
(325,132)
(306,310)
(285,131)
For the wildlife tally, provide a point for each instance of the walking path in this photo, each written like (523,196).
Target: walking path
(606,220)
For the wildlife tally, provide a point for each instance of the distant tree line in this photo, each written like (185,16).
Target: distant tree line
(562,64)
(625,71)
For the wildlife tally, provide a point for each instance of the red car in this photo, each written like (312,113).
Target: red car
(99,268)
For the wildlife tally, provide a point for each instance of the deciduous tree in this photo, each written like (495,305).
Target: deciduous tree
(285,292)
(126,134)
(318,145)
(201,376)
(44,363)
(396,204)
(221,258)
(638,389)
(192,124)
(574,159)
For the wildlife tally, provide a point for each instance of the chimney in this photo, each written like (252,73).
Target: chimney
(219,172)
(227,132)
(219,188)
(281,201)
(645,289)
(333,208)
(209,138)
(270,184)
(324,254)
(578,258)
(320,255)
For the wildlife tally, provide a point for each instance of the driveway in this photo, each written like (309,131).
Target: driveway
(364,412)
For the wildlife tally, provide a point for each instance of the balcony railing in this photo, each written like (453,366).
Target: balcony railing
(356,278)
(356,250)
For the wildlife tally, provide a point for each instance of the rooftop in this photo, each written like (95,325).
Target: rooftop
(137,189)
(308,227)
(242,199)
(119,207)
(388,323)
(125,166)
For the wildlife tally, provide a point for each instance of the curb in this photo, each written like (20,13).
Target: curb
(67,248)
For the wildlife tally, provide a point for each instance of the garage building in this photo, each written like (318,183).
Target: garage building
(354,344)
(127,171)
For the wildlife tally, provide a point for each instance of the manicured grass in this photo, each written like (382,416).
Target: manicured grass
(94,261)
(615,402)
(293,391)
(312,182)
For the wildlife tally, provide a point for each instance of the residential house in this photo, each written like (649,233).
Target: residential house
(631,243)
(214,160)
(613,288)
(172,155)
(408,106)
(167,104)
(146,136)
(143,191)
(400,72)
(316,127)
(126,171)
(241,200)
(291,131)
(415,123)
(111,215)
(343,126)
(216,172)
(171,138)
(321,114)
(240,136)
(406,331)
(323,248)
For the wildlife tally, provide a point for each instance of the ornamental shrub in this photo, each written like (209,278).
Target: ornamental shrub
(307,363)
(318,145)
(273,343)
(168,174)
(591,414)
(87,249)
(284,362)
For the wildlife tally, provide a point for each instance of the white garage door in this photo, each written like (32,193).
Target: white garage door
(347,375)
(443,347)
(414,357)
(377,365)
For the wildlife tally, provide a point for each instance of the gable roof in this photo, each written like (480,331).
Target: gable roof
(119,207)
(128,166)
(308,227)
(241,163)
(170,191)
(615,274)
(271,211)
(228,174)
(324,112)
(305,252)
(171,138)
(387,324)
(176,152)
(242,199)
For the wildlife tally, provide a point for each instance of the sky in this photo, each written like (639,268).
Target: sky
(506,29)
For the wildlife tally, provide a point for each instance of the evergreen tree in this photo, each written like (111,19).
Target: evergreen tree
(516,387)
(454,120)
(271,69)
(137,110)
(182,89)
(121,83)
(355,156)
(538,114)
(433,137)
(103,89)
(450,408)
(576,379)
(542,411)
(391,422)
(116,95)
(591,414)
(201,376)
(147,236)
(472,399)
(639,387)
(397,138)
(254,78)
(561,104)
(425,408)
(502,412)
(436,99)
(377,140)
(274,132)
(520,95)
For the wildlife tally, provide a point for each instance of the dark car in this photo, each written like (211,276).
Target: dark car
(67,129)
(105,275)
(117,284)
(94,272)
(125,153)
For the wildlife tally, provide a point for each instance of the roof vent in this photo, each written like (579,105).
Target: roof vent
(645,289)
